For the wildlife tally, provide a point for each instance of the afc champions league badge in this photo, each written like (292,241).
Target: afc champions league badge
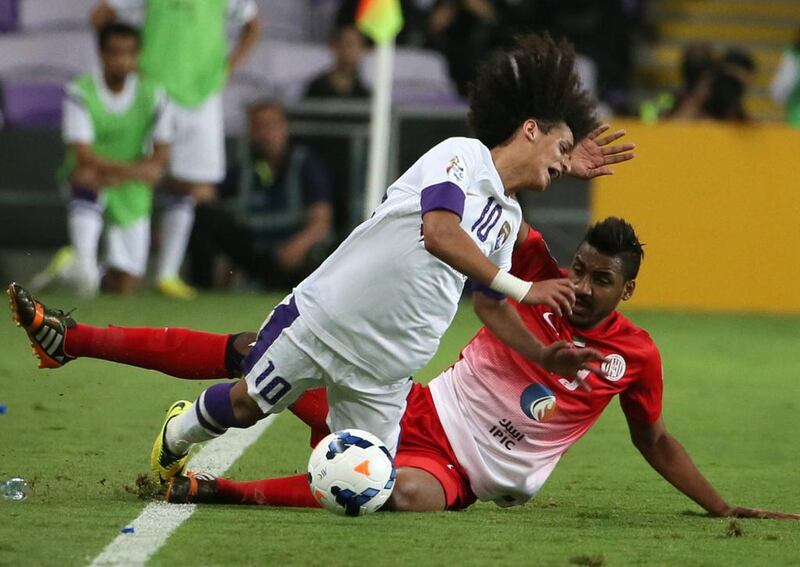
(538,402)
(455,169)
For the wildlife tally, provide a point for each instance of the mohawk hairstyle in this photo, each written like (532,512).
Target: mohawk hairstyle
(615,237)
(533,78)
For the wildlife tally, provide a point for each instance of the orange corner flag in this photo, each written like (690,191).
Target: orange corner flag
(380,20)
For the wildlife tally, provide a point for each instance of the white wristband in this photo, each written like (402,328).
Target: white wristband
(510,286)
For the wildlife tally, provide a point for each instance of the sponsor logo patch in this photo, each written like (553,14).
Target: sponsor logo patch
(538,402)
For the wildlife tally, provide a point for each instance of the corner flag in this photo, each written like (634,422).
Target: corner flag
(380,20)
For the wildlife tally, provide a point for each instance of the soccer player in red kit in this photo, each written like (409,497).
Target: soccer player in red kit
(495,424)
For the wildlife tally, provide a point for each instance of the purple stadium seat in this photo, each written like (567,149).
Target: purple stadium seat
(9,20)
(37,15)
(30,104)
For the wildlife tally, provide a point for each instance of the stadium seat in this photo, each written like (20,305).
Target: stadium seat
(32,104)
(73,51)
(284,20)
(285,66)
(36,15)
(8,16)
(420,77)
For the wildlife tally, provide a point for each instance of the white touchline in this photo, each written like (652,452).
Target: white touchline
(158,520)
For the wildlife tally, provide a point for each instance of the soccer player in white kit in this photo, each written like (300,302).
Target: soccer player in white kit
(374,312)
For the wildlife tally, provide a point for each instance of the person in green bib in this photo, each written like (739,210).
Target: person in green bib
(184,48)
(117,128)
(785,87)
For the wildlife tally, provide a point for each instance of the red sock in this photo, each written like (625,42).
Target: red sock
(312,409)
(289,491)
(182,353)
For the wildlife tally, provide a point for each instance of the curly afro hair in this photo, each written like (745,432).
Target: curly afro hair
(532,78)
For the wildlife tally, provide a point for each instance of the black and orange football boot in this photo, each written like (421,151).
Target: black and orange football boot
(191,489)
(46,328)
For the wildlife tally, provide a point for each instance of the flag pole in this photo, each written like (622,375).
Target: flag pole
(379,130)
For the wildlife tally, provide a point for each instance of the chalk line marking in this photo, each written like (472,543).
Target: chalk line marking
(158,520)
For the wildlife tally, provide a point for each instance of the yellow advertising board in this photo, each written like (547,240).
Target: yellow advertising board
(718,207)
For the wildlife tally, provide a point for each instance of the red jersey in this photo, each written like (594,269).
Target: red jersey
(509,420)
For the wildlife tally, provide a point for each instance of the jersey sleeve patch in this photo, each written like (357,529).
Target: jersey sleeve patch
(443,196)
(455,169)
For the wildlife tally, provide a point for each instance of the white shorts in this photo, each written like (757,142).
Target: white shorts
(127,247)
(197,152)
(288,359)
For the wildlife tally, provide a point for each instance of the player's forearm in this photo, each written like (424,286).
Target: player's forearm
(248,38)
(111,172)
(668,457)
(504,321)
(445,239)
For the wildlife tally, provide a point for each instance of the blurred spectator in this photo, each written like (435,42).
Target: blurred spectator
(111,118)
(343,79)
(464,31)
(184,47)
(729,85)
(282,227)
(716,88)
(785,87)
(698,60)
(603,31)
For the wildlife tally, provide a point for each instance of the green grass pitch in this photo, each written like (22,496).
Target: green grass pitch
(82,434)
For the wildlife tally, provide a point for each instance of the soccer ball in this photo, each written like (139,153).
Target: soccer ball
(351,473)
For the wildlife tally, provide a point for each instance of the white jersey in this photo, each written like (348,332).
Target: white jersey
(77,125)
(381,300)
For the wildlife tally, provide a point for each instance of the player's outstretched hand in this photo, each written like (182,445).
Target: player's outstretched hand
(558,294)
(562,358)
(760,514)
(592,156)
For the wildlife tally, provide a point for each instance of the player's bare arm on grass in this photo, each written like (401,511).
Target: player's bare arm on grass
(668,457)
(593,155)
(445,239)
(560,357)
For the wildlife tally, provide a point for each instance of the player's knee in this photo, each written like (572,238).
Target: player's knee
(238,348)
(245,409)
(242,343)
